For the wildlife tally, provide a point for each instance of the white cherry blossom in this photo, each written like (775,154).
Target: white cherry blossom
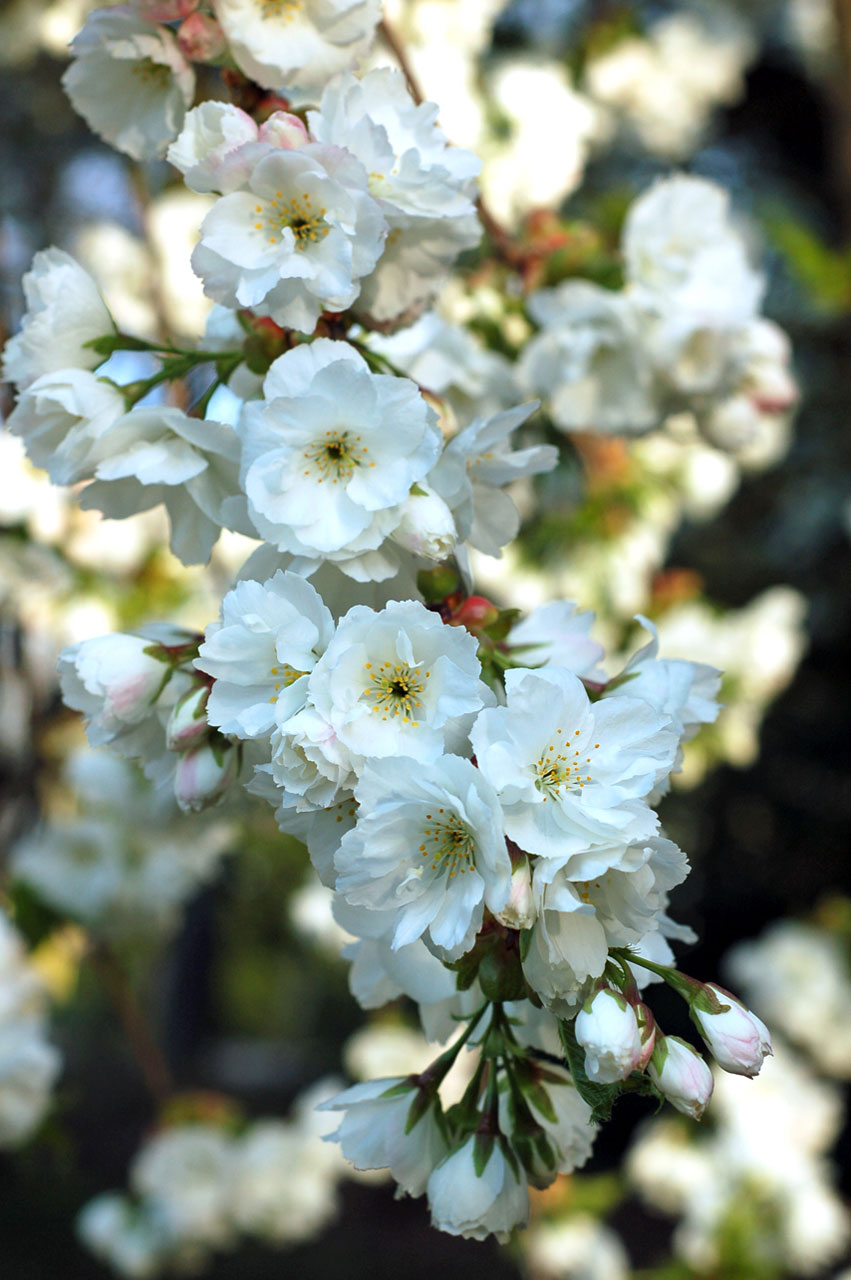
(464,1203)
(61,416)
(260,652)
(474,468)
(572,774)
(588,362)
(297,44)
(424,188)
(430,847)
(328,460)
(129,81)
(398,682)
(373,1135)
(161,454)
(296,238)
(65,311)
(557,634)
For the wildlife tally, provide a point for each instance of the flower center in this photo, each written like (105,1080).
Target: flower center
(336,456)
(559,768)
(394,690)
(150,72)
(286,9)
(308,226)
(286,675)
(448,843)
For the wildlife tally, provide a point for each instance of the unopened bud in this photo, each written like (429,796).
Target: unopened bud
(284,130)
(187,723)
(475,613)
(679,1072)
(519,911)
(204,774)
(607,1029)
(426,527)
(201,39)
(737,1038)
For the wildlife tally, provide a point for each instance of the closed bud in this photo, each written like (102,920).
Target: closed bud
(679,1072)
(187,724)
(201,39)
(427,527)
(204,774)
(607,1029)
(283,129)
(475,613)
(114,680)
(736,1037)
(519,911)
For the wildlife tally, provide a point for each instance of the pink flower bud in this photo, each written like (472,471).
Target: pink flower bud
(608,1031)
(166,10)
(201,39)
(519,911)
(285,130)
(187,724)
(737,1038)
(475,613)
(204,774)
(679,1072)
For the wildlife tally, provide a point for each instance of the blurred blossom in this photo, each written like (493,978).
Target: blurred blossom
(123,864)
(309,908)
(527,169)
(124,269)
(578,1248)
(197,1187)
(798,977)
(28,1064)
(763,1165)
(173,220)
(664,86)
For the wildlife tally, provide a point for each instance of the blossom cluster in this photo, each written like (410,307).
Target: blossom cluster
(474,787)
(773,1134)
(684,333)
(199,1184)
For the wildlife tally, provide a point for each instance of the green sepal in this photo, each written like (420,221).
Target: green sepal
(416,491)
(525,942)
(483,1145)
(420,1104)
(107,343)
(527,1076)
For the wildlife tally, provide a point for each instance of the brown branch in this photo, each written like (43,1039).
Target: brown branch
(394,44)
(502,239)
(137,1028)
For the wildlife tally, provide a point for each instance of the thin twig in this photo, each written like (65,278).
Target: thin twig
(394,44)
(146,1050)
(503,241)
